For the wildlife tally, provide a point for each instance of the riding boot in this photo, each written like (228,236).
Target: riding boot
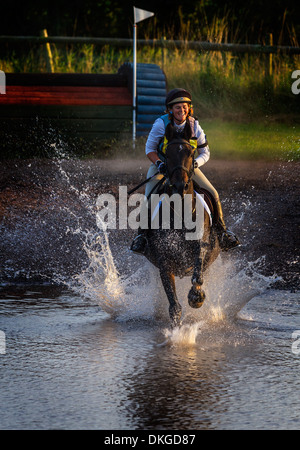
(227,238)
(140,242)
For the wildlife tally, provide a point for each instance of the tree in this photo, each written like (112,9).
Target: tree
(250,20)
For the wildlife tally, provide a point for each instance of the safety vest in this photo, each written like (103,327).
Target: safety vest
(164,141)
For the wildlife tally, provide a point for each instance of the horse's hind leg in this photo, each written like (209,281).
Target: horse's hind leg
(175,310)
(196,295)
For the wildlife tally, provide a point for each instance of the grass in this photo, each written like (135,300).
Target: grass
(227,140)
(243,101)
(223,85)
(234,140)
(216,79)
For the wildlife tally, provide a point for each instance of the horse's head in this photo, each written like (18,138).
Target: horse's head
(180,164)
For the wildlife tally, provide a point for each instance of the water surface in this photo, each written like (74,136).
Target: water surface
(69,365)
(95,350)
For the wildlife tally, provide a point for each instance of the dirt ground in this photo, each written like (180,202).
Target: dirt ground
(41,200)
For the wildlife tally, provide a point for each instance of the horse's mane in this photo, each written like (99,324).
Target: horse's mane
(170,132)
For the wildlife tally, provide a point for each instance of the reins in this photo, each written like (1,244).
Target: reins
(142,183)
(180,167)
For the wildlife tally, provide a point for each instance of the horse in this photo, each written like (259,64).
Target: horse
(168,249)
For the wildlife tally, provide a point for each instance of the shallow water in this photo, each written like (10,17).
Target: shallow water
(69,365)
(96,351)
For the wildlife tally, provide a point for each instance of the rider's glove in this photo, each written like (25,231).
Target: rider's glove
(161,167)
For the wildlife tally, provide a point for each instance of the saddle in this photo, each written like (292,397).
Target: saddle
(207,200)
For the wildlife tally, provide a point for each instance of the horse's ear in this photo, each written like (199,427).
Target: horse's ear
(187,132)
(169,132)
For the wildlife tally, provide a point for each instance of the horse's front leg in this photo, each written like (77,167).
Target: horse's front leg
(196,295)
(175,310)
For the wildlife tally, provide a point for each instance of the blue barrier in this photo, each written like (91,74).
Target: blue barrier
(151,94)
(142,129)
(156,76)
(154,84)
(151,91)
(151,109)
(150,100)
(146,118)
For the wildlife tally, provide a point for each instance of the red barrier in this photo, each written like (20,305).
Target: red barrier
(66,95)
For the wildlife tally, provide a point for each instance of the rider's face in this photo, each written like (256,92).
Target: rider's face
(180,112)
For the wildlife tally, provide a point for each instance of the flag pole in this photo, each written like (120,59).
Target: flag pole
(139,14)
(134,86)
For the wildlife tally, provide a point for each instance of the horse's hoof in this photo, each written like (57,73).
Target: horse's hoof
(196,298)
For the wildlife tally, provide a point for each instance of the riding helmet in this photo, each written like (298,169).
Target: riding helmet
(178,95)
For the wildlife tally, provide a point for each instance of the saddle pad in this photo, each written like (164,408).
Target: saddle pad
(201,198)
(210,202)
(206,207)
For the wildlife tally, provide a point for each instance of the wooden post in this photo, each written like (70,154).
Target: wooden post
(48,53)
(163,52)
(269,58)
(270,55)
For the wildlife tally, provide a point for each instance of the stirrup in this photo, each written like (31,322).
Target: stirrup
(139,244)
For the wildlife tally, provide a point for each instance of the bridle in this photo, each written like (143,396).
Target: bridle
(190,171)
(168,176)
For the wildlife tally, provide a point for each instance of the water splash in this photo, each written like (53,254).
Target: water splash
(124,297)
(139,294)
(185,335)
(227,289)
(100,280)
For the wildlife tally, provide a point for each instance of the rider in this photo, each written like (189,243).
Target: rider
(179,110)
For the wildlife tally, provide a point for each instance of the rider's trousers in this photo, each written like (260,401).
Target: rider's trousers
(198,177)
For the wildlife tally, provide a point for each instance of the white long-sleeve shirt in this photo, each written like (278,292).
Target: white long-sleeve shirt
(158,131)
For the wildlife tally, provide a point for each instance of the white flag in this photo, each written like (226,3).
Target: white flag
(141,14)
